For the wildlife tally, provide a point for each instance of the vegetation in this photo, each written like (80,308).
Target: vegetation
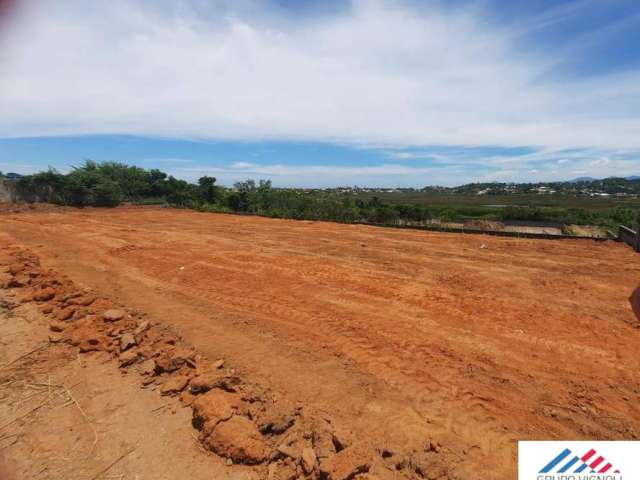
(103,184)
(579,186)
(109,183)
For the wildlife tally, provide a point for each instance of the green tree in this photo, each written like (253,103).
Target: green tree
(207,189)
(106,193)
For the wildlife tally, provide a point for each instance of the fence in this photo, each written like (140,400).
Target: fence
(498,233)
(630,237)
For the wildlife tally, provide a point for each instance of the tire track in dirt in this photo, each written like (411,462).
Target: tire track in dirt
(479,417)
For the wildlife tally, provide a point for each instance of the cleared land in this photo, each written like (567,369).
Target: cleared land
(406,337)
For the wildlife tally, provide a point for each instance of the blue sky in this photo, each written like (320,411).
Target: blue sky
(310,93)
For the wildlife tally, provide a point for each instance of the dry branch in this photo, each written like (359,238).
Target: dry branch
(108,467)
(37,349)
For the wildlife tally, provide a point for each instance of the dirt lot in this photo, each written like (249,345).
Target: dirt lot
(406,339)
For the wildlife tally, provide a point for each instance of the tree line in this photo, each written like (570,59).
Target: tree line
(108,184)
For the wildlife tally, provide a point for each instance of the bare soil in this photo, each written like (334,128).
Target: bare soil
(433,353)
(65,416)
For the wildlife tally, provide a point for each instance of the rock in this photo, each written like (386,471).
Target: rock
(290,451)
(341,439)
(174,385)
(172,360)
(322,440)
(70,295)
(57,325)
(429,465)
(217,364)
(205,381)
(55,338)
(213,407)
(66,313)
(276,423)
(84,300)
(86,337)
(145,351)
(46,308)
(346,464)
(182,356)
(147,381)
(93,344)
(81,312)
(148,367)
(114,331)
(238,439)
(113,315)
(187,398)
(44,295)
(309,460)
(164,363)
(128,358)
(127,341)
(141,328)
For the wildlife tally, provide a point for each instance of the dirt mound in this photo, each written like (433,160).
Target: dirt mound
(241,422)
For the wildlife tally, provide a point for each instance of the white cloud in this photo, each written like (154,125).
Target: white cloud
(243,165)
(551,165)
(379,72)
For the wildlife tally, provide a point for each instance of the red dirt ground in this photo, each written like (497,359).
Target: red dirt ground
(406,338)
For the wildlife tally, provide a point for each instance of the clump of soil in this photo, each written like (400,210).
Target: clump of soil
(237,420)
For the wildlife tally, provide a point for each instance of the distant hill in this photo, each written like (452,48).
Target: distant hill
(592,179)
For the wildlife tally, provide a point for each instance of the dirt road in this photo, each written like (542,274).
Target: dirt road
(468,342)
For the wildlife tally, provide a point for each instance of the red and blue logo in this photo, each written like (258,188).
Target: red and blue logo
(590,462)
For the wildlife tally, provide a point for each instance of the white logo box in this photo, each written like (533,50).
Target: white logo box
(622,456)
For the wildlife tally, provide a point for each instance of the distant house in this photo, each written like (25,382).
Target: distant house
(544,190)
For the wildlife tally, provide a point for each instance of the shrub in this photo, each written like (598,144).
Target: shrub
(106,193)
